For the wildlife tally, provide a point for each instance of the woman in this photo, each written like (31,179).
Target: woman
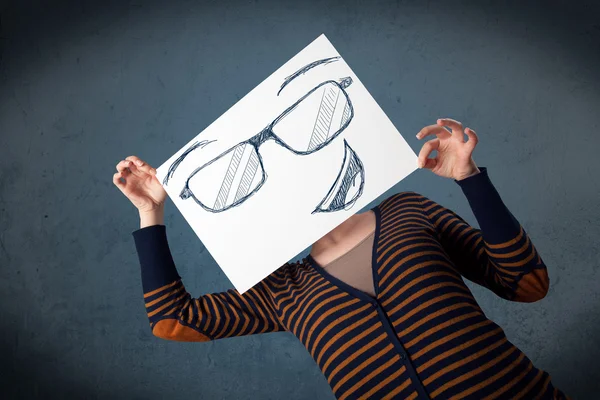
(380,302)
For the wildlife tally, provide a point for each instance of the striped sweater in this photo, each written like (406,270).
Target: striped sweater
(423,336)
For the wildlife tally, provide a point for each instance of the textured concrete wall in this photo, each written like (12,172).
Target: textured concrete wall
(83,85)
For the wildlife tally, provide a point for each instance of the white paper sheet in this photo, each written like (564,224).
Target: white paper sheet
(331,153)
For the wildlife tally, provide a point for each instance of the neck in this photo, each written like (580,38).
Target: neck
(337,234)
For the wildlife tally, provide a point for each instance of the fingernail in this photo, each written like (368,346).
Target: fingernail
(417,136)
(139,163)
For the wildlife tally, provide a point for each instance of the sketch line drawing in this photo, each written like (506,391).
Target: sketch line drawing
(241,167)
(221,202)
(337,197)
(247,177)
(304,69)
(183,155)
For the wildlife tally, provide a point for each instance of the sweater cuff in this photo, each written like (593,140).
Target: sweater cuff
(156,262)
(496,222)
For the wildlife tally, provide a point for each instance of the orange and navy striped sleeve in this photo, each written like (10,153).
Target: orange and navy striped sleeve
(499,255)
(175,315)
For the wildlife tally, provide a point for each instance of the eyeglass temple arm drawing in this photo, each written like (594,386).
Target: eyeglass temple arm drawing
(305,69)
(183,155)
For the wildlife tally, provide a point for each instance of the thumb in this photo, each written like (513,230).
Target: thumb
(430,163)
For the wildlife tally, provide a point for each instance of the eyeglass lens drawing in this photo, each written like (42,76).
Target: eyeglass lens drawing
(242,169)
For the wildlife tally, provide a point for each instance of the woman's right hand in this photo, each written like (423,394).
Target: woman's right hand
(138,182)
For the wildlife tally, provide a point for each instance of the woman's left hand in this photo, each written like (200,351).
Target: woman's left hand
(453,158)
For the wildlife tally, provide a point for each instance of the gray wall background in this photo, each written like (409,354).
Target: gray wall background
(85,84)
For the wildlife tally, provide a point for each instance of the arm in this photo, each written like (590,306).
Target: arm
(500,255)
(175,315)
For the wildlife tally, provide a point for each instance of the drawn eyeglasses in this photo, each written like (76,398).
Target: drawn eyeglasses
(235,175)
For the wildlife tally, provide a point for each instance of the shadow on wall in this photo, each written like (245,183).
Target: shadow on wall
(578,358)
(25,377)
(34,375)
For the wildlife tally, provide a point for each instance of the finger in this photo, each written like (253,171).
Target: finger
(142,165)
(119,181)
(433,130)
(430,163)
(457,128)
(135,171)
(473,138)
(140,172)
(123,166)
(146,168)
(133,158)
(426,150)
